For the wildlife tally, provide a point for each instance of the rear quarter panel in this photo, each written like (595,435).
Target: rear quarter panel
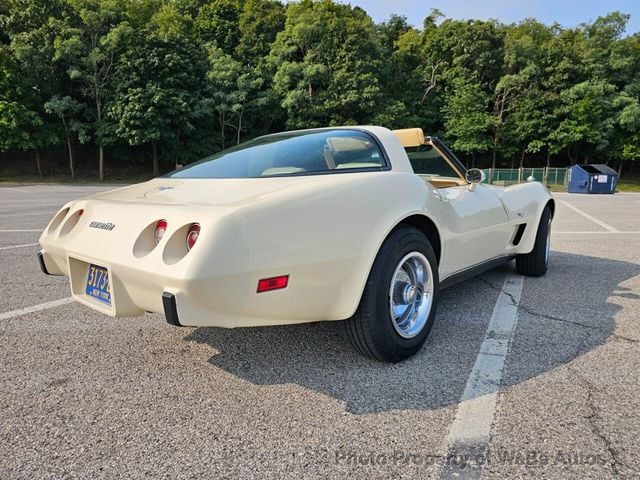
(326,238)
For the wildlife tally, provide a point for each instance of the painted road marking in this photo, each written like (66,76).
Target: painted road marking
(19,204)
(596,196)
(3,189)
(598,232)
(35,308)
(23,230)
(469,435)
(24,214)
(19,246)
(604,225)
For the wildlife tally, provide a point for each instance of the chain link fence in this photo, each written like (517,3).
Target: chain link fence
(510,176)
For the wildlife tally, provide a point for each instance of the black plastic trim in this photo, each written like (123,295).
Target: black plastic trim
(519,233)
(43,267)
(474,271)
(170,308)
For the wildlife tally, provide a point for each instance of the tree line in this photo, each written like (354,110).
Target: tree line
(128,81)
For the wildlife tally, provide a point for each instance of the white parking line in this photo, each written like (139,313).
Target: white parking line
(470,432)
(19,204)
(19,246)
(604,225)
(35,308)
(24,214)
(598,232)
(10,189)
(23,230)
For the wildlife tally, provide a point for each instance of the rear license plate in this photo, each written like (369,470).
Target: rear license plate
(98,284)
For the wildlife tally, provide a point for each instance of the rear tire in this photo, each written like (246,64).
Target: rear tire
(399,301)
(536,263)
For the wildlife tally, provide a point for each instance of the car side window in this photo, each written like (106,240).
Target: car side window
(427,161)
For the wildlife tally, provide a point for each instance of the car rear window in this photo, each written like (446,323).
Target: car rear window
(297,153)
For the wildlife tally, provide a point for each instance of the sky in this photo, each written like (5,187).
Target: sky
(568,13)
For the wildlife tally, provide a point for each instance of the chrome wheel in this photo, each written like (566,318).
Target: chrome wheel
(547,247)
(411,294)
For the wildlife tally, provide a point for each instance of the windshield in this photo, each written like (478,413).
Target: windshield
(296,153)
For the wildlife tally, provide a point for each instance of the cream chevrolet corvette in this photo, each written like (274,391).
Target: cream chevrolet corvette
(360,224)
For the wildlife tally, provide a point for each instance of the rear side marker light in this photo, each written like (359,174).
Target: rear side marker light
(274,283)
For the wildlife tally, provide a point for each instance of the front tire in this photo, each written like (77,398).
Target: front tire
(536,263)
(398,305)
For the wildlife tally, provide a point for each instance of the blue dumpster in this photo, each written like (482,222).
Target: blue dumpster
(594,178)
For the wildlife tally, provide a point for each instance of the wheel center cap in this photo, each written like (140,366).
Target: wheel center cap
(409,294)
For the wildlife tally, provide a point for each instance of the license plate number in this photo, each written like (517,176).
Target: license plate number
(98,286)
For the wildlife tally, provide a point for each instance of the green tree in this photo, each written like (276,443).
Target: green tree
(22,125)
(531,123)
(189,76)
(524,103)
(326,62)
(223,76)
(259,22)
(461,67)
(169,21)
(467,118)
(28,79)
(88,44)
(217,22)
(604,55)
(472,48)
(68,111)
(158,93)
(405,81)
(626,141)
(588,120)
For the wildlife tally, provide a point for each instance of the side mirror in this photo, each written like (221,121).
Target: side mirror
(474,176)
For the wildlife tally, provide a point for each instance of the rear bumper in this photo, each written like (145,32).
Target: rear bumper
(226,301)
(135,291)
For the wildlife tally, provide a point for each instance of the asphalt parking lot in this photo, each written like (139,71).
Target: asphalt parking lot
(83,395)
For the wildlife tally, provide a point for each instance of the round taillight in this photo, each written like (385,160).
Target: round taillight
(192,236)
(161,228)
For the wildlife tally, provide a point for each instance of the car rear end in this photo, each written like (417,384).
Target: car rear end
(127,257)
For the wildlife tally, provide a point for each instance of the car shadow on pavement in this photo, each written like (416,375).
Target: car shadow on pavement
(562,315)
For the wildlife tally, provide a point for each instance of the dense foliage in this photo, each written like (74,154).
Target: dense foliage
(116,83)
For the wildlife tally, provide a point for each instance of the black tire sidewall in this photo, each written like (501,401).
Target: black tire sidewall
(539,250)
(388,342)
(533,263)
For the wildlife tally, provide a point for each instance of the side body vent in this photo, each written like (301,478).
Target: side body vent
(519,232)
